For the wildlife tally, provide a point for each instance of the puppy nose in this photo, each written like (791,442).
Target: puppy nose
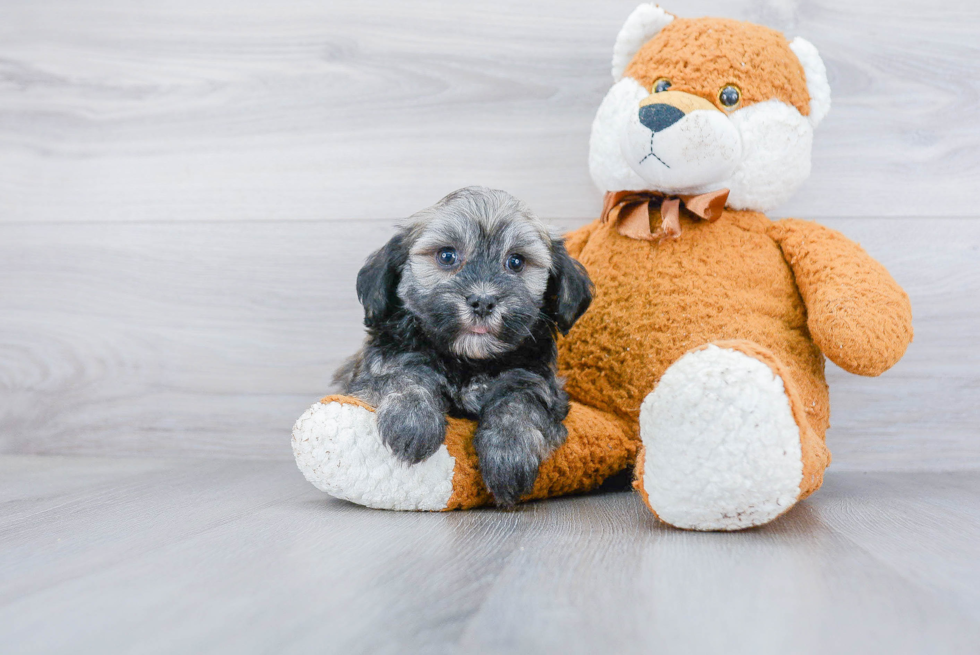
(482,305)
(659,117)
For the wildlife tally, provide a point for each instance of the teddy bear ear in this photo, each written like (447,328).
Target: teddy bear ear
(642,25)
(816,79)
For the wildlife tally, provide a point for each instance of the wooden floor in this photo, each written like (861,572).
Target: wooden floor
(187,190)
(170,556)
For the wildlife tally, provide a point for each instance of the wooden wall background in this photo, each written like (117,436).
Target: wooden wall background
(188,188)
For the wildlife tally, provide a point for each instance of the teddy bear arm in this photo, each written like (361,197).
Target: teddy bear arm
(599,444)
(337,447)
(856,313)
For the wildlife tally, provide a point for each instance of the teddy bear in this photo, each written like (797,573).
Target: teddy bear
(700,364)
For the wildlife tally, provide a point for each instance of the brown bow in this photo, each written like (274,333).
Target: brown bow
(632,210)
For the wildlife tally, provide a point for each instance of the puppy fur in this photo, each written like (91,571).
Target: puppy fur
(462,308)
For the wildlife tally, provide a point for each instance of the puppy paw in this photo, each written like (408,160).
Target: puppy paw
(412,431)
(509,470)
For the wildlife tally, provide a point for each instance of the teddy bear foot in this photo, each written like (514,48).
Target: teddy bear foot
(338,448)
(722,450)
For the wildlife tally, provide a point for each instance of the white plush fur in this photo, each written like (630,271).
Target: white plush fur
(339,450)
(722,448)
(816,78)
(691,156)
(772,141)
(607,164)
(641,26)
(776,143)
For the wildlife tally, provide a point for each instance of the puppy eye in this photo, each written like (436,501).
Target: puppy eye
(661,85)
(447,257)
(729,96)
(515,263)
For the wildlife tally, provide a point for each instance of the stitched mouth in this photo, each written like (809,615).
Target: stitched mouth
(653,154)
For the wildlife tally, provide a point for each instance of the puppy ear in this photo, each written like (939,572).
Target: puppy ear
(569,288)
(377,281)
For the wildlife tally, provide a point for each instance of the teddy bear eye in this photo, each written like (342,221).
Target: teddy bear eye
(661,85)
(729,96)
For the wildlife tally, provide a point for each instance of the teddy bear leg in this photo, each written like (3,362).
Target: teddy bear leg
(338,448)
(726,442)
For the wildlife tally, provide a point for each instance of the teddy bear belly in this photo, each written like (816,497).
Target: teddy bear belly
(655,302)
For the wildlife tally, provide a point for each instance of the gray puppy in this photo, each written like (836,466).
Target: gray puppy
(462,308)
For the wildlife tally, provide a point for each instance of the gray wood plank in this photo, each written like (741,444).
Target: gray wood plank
(210,339)
(246,557)
(241,557)
(28,487)
(925,526)
(618,581)
(219,110)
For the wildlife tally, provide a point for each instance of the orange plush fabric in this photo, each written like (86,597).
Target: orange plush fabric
(702,55)
(836,279)
(656,301)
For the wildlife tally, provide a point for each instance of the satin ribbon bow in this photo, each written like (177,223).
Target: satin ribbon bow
(632,211)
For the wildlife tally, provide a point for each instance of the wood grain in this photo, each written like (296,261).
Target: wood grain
(162,556)
(187,190)
(210,339)
(218,110)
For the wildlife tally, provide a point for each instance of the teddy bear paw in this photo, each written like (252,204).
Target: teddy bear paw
(721,447)
(338,448)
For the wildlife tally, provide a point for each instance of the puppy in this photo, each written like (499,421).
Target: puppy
(462,308)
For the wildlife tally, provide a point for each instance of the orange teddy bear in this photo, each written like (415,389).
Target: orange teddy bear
(701,360)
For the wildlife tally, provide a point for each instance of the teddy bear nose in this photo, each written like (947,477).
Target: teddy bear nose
(658,117)
(481,304)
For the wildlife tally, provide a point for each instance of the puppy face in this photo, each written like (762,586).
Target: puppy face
(479,271)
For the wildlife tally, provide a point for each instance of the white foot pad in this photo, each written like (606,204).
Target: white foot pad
(339,450)
(722,447)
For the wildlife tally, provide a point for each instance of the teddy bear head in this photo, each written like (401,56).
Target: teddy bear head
(704,104)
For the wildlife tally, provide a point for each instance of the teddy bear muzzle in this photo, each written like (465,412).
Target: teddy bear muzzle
(681,143)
